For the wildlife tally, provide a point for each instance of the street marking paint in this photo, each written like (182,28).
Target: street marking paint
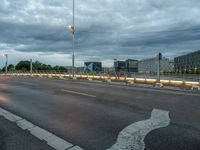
(132,137)
(27,83)
(58,143)
(9,116)
(78,93)
(24,124)
(40,133)
(75,148)
(51,139)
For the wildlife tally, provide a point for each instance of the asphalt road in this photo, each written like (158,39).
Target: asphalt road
(14,138)
(92,115)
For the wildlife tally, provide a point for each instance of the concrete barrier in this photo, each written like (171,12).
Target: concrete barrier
(130,80)
(195,87)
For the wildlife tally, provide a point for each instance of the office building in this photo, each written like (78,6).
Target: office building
(119,65)
(93,66)
(188,63)
(150,65)
(131,65)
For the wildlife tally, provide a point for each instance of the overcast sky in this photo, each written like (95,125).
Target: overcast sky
(105,29)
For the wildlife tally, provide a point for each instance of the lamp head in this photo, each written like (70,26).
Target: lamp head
(71,28)
(6,55)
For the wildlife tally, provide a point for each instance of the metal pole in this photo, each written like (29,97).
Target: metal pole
(73,32)
(158,68)
(6,65)
(31,66)
(73,57)
(158,72)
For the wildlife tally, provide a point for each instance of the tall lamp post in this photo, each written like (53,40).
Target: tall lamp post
(72,29)
(6,64)
(31,66)
(158,68)
(158,83)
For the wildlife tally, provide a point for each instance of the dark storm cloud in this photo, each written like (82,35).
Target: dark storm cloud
(106,29)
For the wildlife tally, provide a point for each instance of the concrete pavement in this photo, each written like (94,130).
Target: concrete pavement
(92,115)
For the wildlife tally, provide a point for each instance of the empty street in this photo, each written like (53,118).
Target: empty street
(98,116)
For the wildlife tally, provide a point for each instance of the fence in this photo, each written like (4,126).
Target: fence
(170,79)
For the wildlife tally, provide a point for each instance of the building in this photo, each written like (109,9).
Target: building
(80,69)
(150,65)
(119,65)
(131,65)
(188,63)
(93,66)
(107,69)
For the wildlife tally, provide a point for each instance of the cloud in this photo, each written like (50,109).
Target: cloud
(105,29)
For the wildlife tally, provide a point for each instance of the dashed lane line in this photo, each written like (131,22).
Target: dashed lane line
(42,134)
(78,93)
(9,116)
(24,124)
(27,83)
(132,137)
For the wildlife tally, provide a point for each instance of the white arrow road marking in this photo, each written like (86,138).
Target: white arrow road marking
(132,137)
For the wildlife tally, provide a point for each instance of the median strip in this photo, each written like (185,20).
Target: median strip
(42,134)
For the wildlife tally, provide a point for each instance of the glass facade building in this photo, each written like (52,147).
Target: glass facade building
(131,65)
(93,66)
(119,65)
(188,62)
(151,65)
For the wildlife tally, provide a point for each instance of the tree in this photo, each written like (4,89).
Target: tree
(3,69)
(11,67)
(56,68)
(60,68)
(23,65)
(37,65)
(40,66)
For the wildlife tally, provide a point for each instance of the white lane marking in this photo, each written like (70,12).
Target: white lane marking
(78,93)
(40,133)
(24,124)
(132,137)
(33,84)
(27,83)
(75,148)
(58,143)
(51,139)
(9,116)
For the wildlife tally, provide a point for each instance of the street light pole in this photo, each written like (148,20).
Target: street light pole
(158,68)
(6,64)
(72,29)
(73,57)
(31,66)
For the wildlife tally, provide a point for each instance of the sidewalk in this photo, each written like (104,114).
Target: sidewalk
(14,138)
